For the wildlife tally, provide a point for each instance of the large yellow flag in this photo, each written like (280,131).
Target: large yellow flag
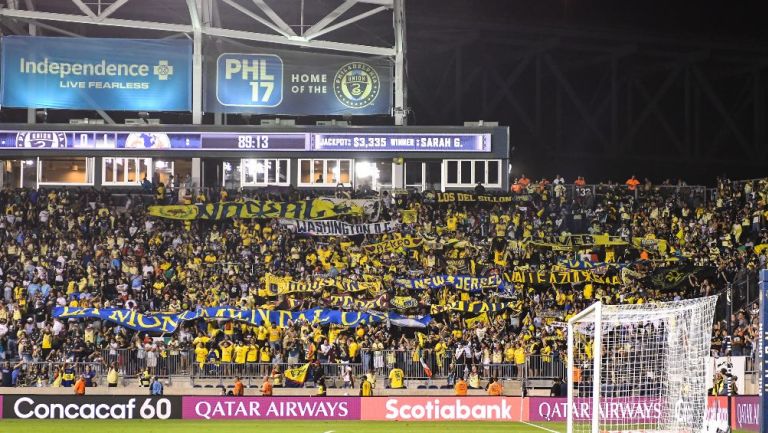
(296,376)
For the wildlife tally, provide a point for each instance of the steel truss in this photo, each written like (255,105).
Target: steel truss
(207,18)
(567,94)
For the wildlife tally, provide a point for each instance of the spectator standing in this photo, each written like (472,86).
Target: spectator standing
(460,389)
(266,387)
(80,385)
(239,389)
(157,387)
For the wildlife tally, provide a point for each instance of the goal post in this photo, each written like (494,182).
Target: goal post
(640,367)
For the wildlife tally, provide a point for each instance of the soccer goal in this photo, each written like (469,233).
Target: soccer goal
(641,365)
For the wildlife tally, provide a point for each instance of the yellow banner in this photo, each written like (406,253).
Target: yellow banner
(275,285)
(306,209)
(297,375)
(480,318)
(393,245)
(570,242)
(658,246)
(409,216)
(562,277)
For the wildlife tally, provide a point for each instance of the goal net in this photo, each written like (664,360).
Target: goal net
(642,365)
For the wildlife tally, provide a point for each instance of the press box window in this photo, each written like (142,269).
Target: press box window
(324,172)
(466,173)
(65,171)
(124,171)
(262,172)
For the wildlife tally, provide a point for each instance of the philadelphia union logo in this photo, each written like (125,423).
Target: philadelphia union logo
(52,140)
(356,85)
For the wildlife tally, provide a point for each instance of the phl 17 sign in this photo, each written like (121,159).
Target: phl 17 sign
(266,81)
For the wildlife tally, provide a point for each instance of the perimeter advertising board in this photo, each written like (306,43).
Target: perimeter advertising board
(443,409)
(268,81)
(274,408)
(97,73)
(90,407)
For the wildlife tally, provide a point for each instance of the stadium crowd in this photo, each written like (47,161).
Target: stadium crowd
(89,248)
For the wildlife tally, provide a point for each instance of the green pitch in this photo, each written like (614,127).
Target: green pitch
(190,426)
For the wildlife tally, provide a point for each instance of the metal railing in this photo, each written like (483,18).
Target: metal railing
(44,374)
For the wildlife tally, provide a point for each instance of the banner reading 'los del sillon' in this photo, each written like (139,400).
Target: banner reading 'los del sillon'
(97,73)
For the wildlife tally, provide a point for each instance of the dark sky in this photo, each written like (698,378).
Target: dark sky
(709,18)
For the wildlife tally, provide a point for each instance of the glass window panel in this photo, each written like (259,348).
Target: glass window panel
(64,170)
(261,171)
(452,172)
(119,170)
(282,171)
(109,170)
(332,171)
(131,170)
(493,172)
(413,173)
(271,170)
(434,173)
(345,172)
(248,170)
(479,172)
(466,172)
(318,171)
(305,172)
(144,165)
(385,172)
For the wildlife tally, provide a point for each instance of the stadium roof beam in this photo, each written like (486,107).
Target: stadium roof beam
(112,9)
(331,17)
(322,31)
(197,60)
(256,17)
(274,17)
(212,31)
(84,8)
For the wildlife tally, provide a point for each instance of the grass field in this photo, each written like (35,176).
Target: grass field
(190,426)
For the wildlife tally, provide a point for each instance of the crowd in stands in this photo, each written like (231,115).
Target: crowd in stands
(88,248)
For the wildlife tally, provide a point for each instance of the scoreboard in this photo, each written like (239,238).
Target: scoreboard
(248,141)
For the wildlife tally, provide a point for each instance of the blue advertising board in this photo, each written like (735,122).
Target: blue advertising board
(96,73)
(402,142)
(248,141)
(268,81)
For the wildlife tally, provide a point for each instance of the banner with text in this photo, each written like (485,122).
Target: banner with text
(392,245)
(268,81)
(463,197)
(272,408)
(111,407)
(306,209)
(97,73)
(338,228)
(443,408)
(169,322)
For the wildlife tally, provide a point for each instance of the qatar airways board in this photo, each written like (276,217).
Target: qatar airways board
(96,73)
(274,408)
